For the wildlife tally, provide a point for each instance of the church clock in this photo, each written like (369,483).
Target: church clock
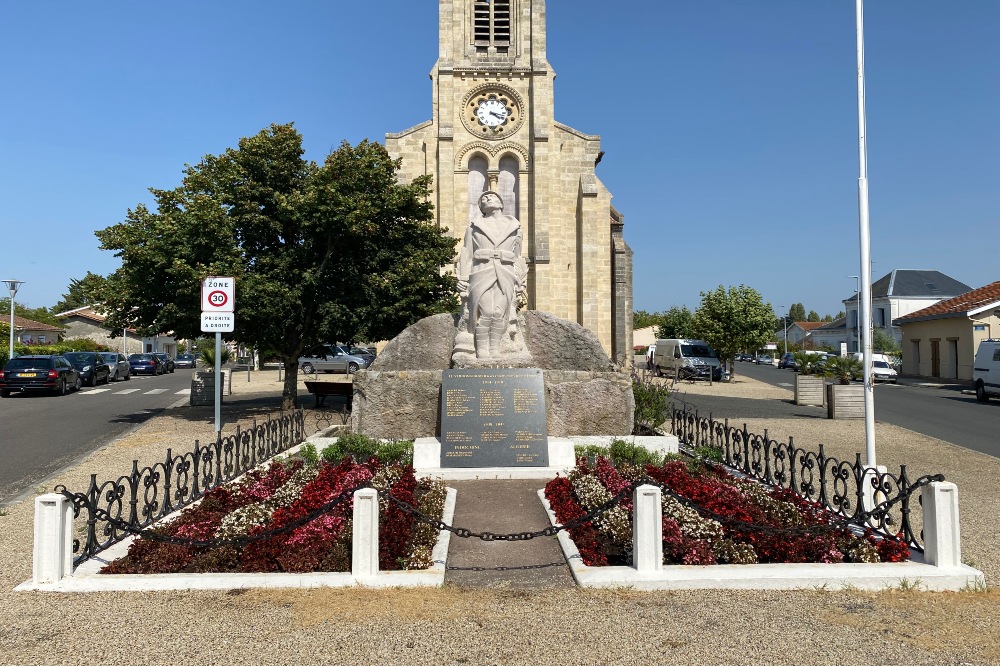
(492,111)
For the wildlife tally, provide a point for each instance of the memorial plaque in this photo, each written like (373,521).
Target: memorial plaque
(493,418)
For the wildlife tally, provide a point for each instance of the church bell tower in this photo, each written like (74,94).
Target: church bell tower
(493,128)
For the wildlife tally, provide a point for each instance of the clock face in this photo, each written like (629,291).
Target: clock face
(492,112)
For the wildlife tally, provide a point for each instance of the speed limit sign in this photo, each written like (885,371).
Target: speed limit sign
(218,294)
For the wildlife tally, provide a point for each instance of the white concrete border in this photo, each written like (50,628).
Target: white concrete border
(52,572)
(85,579)
(770,576)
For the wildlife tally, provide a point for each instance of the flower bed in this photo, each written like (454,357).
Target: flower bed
(289,491)
(715,518)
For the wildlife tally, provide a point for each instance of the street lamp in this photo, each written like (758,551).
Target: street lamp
(12,286)
(857,312)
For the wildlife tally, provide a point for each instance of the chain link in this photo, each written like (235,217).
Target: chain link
(837,523)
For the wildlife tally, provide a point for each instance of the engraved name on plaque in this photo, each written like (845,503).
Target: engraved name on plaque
(493,418)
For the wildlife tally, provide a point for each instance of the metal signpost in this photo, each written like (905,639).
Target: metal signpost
(218,299)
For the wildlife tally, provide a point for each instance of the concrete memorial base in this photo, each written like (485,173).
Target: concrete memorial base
(562,457)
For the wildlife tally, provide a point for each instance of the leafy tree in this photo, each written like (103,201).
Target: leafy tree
(827,318)
(839,315)
(884,342)
(83,292)
(641,319)
(676,323)
(35,314)
(813,316)
(797,313)
(733,320)
(338,251)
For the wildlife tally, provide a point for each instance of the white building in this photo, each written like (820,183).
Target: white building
(897,294)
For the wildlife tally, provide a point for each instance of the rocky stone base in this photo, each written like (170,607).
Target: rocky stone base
(407,404)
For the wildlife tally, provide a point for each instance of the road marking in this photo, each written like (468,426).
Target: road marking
(155,391)
(127,391)
(785,384)
(186,392)
(96,391)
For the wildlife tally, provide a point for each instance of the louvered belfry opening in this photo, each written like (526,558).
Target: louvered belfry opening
(491,25)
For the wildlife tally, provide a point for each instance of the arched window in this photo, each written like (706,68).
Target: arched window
(508,185)
(478,184)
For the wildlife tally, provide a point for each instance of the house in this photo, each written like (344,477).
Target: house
(941,340)
(896,295)
(86,322)
(30,332)
(830,335)
(798,333)
(644,337)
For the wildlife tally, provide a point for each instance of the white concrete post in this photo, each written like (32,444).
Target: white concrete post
(647,529)
(364,553)
(942,543)
(872,497)
(53,545)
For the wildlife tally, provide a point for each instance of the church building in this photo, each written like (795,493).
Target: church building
(492,127)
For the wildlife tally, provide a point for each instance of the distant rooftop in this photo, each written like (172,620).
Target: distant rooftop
(911,283)
(969,303)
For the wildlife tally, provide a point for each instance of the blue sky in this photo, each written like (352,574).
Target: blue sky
(729,126)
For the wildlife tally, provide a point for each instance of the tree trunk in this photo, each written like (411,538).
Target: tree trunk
(289,393)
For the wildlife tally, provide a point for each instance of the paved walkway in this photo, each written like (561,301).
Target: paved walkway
(502,507)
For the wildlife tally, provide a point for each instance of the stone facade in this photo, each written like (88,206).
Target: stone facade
(579,266)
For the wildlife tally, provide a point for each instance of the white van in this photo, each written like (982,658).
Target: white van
(687,358)
(986,369)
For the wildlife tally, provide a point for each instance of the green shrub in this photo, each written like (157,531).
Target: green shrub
(651,405)
(843,368)
(361,448)
(208,355)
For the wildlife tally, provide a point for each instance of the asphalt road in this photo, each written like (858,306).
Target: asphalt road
(943,411)
(41,434)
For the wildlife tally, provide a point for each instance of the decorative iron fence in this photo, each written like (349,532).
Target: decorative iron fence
(874,499)
(118,508)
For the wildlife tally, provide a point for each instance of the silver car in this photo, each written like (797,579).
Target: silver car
(121,369)
(331,359)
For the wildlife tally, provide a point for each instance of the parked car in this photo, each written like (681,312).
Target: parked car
(185,361)
(787,360)
(332,359)
(166,360)
(92,367)
(39,372)
(367,353)
(118,363)
(765,359)
(145,364)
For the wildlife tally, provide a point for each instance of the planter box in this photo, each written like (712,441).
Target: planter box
(845,401)
(203,386)
(810,390)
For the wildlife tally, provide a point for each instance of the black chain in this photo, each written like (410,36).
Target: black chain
(839,523)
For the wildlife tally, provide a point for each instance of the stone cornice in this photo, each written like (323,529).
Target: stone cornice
(410,130)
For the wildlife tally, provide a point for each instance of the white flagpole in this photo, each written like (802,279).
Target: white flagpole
(865,295)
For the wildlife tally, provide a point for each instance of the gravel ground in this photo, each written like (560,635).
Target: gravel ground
(454,625)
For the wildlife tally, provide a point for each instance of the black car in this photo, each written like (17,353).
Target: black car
(92,367)
(166,360)
(145,363)
(39,372)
